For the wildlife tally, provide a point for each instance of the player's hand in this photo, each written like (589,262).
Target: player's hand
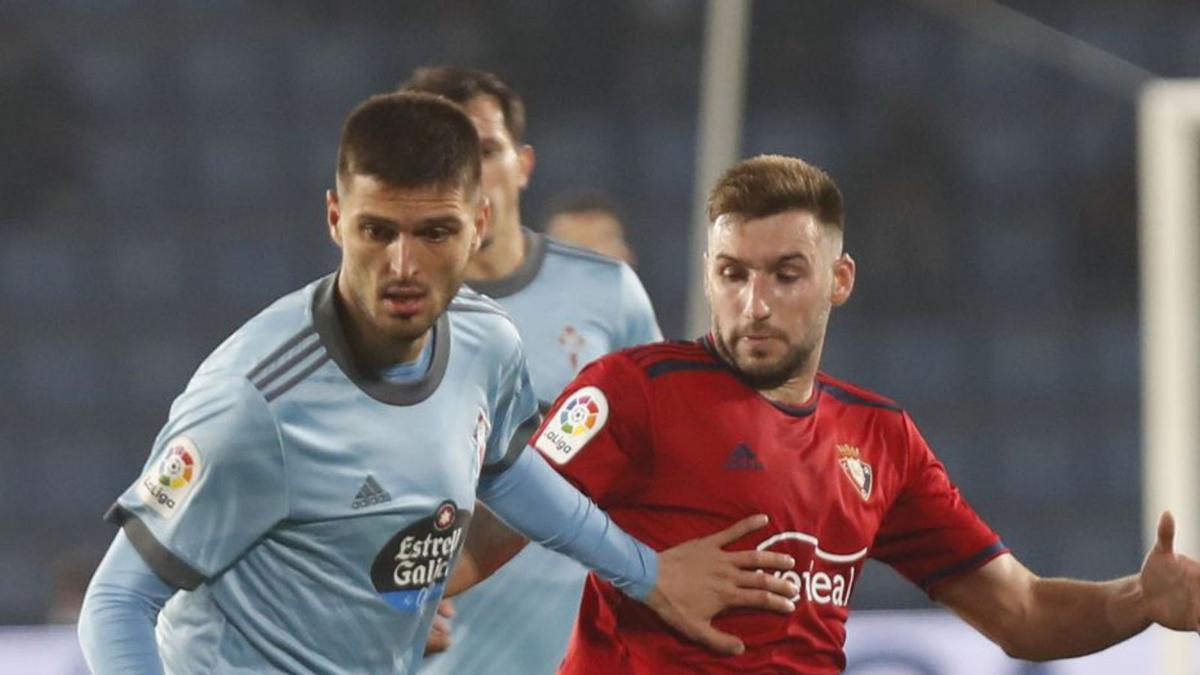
(697,580)
(1170,582)
(439,634)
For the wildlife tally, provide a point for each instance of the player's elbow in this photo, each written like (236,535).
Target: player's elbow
(1023,649)
(1020,638)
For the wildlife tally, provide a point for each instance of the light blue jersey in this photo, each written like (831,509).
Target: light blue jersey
(570,306)
(313,512)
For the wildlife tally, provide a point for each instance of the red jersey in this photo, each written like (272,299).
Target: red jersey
(674,446)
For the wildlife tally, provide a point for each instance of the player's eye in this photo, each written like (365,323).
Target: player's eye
(377,232)
(436,235)
(787,276)
(731,273)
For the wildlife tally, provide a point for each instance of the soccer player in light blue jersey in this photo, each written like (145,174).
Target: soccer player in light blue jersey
(307,500)
(570,306)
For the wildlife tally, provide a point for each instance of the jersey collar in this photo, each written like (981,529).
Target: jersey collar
(809,406)
(329,328)
(522,276)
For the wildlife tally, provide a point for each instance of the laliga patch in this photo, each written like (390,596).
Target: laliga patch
(858,471)
(569,428)
(171,479)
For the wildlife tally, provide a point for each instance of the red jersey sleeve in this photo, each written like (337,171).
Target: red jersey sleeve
(930,533)
(597,432)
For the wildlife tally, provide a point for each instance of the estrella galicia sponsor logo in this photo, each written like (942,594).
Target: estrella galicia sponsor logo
(411,569)
(822,577)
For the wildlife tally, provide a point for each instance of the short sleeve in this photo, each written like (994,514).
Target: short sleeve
(639,326)
(930,533)
(214,484)
(514,415)
(597,433)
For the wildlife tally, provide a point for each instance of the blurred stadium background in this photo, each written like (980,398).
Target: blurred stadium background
(164,166)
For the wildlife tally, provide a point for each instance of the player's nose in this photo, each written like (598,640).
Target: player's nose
(402,256)
(757,306)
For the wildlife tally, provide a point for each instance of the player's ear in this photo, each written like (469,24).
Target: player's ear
(333,215)
(707,282)
(527,159)
(483,220)
(844,269)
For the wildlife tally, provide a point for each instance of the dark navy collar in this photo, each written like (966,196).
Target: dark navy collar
(805,410)
(520,277)
(329,327)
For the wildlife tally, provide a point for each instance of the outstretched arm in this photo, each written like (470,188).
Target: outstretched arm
(116,624)
(686,585)
(1040,619)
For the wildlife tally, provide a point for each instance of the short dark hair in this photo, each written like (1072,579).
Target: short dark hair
(769,184)
(410,139)
(463,84)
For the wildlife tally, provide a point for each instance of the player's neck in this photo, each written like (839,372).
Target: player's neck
(372,350)
(501,257)
(796,392)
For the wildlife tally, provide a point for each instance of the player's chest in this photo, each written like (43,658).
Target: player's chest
(364,457)
(812,475)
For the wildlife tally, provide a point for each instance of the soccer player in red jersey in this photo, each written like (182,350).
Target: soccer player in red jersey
(676,440)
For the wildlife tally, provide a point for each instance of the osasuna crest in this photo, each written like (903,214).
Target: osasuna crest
(171,479)
(858,471)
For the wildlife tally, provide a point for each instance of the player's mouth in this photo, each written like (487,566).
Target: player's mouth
(757,339)
(404,301)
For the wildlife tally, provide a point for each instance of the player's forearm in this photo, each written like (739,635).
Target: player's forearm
(116,623)
(1067,618)
(535,500)
(490,543)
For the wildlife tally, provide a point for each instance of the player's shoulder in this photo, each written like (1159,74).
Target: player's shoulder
(475,313)
(652,361)
(281,333)
(854,395)
(469,301)
(581,257)
(576,267)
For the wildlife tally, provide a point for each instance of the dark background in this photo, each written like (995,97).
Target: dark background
(164,166)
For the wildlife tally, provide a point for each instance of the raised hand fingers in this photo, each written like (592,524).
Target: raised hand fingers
(761,560)
(710,637)
(1166,532)
(767,582)
(738,530)
(750,599)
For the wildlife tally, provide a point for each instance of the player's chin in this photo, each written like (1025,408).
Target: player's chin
(408,327)
(762,374)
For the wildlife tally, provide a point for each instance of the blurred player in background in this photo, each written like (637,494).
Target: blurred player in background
(688,434)
(303,505)
(570,307)
(589,219)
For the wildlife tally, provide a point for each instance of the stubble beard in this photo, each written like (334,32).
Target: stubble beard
(773,374)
